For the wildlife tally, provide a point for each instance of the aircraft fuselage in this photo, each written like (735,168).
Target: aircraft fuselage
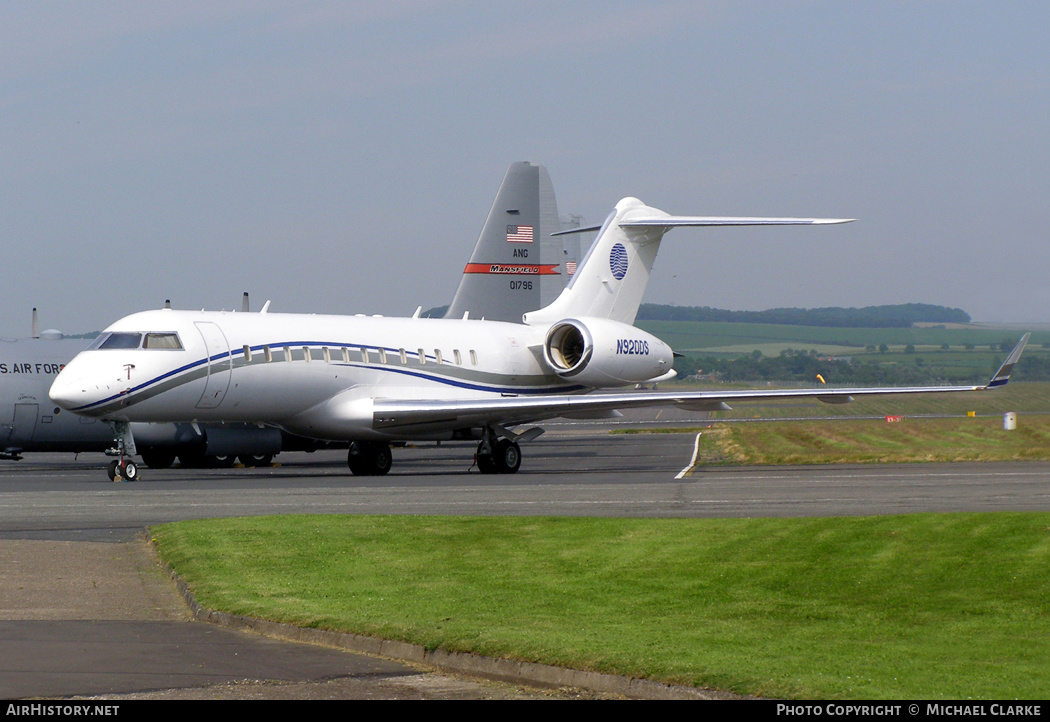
(311,374)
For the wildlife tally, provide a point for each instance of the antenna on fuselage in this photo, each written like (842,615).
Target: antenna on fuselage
(266,306)
(167,303)
(244,303)
(36,325)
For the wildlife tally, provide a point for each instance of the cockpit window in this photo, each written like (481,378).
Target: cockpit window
(121,340)
(118,340)
(162,340)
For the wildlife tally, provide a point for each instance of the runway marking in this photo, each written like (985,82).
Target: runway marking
(692,462)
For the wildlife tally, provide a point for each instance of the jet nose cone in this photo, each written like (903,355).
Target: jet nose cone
(67,391)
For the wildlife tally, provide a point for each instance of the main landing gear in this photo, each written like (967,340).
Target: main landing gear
(502,457)
(369,458)
(498,453)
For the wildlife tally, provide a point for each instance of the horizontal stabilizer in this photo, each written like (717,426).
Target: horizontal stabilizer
(711,221)
(676,221)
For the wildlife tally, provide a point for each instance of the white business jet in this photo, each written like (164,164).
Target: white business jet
(374,380)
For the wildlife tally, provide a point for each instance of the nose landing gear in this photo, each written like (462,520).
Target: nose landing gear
(127,471)
(123,468)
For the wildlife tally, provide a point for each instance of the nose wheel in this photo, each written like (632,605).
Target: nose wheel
(127,471)
(123,468)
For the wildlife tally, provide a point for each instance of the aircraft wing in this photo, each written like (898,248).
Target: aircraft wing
(507,411)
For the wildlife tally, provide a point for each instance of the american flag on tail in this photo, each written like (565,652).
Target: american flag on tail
(519,234)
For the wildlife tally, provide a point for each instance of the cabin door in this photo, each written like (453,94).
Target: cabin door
(220,365)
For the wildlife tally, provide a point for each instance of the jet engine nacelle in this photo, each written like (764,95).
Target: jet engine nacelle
(601,352)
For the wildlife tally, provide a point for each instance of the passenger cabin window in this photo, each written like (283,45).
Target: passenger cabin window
(162,340)
(459,358)
(437,356)
(404,356)
(422,357)
(247,353)
(267,354)
(473,357)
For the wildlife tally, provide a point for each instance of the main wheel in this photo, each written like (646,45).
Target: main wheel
(251,460)
(111,470)
(382,459)
(222,462)
(507,457)
(130,471)
(192,460)
(486,464)
(158,459)
(367,458)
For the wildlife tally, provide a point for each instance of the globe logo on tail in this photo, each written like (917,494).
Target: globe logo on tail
(618,261)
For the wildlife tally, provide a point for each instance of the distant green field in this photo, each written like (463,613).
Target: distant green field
(900,356)
(1033,398)
(691,336)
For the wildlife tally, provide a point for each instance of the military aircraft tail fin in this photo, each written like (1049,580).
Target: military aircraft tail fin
(517,264)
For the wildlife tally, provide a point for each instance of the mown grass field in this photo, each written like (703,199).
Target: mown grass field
(1020,397)
(864,441)
(927,606)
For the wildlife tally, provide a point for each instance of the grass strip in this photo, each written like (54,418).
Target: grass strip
(894,607)
(1032,398)
(860,441)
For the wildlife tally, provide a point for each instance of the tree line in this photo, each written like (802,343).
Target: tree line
(892,316)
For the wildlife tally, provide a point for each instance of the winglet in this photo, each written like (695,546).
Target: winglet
(1003,374)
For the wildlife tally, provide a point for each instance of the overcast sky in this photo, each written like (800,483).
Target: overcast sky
(341,157)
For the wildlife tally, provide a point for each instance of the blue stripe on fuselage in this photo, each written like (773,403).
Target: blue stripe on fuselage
(314,344)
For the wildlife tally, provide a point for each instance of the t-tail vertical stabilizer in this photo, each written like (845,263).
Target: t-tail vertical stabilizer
(517,264)
(611,280)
